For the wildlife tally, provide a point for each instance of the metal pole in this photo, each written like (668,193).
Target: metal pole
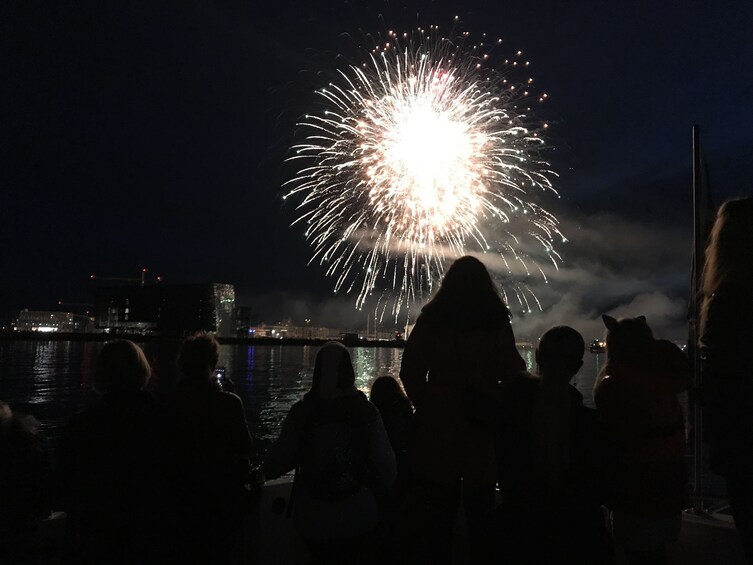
(698,251)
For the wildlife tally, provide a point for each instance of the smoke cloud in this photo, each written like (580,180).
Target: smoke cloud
(610,265)
(614,266)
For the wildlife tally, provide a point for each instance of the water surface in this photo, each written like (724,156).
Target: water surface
(53,379)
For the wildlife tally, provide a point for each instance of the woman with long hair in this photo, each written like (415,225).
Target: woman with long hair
(461,348)
(397,415)
(725,336)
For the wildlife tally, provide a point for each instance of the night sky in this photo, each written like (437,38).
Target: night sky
(153,134)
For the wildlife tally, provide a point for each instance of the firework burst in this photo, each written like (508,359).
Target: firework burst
(423,153)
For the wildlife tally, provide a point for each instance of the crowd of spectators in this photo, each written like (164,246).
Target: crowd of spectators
(465,430)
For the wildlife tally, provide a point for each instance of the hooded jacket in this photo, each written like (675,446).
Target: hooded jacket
(317,517)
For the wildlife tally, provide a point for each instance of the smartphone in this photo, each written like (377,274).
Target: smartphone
(219,376)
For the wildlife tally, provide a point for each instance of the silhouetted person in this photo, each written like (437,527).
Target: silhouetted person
(107,464)
(397,415)
(336,441)
(726,336)
(636,397)
(209,452)
(550,463)
(25,479)
(462,343)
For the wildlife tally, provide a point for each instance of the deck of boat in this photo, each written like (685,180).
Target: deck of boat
(704,539)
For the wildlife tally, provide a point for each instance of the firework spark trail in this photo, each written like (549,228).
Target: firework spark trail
(423,154)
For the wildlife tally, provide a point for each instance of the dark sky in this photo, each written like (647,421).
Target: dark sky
(153,134)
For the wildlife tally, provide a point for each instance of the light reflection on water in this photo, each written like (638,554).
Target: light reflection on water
(48,379)
(52,379)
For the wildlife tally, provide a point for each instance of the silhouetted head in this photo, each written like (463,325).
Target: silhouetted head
(198,356)
(467,296)
(560,351)
(333,372)
(384,391)
(466,277)
(627,338)
(121,367)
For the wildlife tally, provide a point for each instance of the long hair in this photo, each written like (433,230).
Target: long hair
(467,297)
(386,391)
(729,255)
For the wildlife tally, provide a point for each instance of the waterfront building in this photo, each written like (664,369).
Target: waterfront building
(286,330)
(48,321)
(188,308)
(129,308)
(166,309)
(289,331)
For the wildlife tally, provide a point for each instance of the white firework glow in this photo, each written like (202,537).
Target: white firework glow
(422,154)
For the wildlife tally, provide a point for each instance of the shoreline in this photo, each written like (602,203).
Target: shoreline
(140,338)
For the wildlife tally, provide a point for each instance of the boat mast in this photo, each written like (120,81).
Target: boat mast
(693,349)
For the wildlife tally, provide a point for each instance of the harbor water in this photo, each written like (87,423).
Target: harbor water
(51,380)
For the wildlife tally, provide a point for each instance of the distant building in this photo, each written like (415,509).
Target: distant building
(188,308)
(277,332)
(280,331)
(128,308)
(175,309)
(45,321)
(245,321)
